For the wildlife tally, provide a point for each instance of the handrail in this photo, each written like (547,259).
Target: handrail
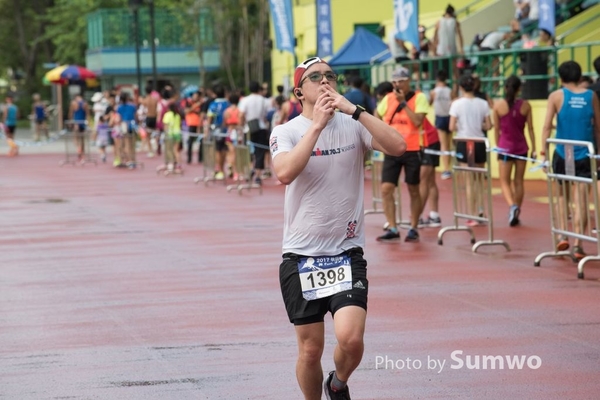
(510,61)
(557,13)
(377,56)
(592,18)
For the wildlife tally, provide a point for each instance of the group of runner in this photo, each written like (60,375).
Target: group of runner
(171,123)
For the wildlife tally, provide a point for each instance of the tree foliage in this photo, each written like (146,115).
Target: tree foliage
(240,29)
(34,32)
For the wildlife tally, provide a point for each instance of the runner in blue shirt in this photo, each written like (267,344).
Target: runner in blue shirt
(11,113)
(215,114)
(78,113)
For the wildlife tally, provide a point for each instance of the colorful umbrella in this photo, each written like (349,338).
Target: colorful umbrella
(189,90)
(71,75)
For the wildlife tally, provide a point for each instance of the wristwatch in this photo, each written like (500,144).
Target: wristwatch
(357,112)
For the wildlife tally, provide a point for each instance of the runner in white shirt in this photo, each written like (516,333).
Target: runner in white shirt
(320,156)
(469,118)
(253,110)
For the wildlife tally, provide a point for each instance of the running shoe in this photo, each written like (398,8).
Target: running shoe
(434,222)
(219,176)
(423,223)
(513,215)
(389,236)
(446,175)
(563,244)
(472,222)
(343,394)
(412,236)
(578,253)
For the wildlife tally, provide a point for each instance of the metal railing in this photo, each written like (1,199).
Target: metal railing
(572,214)
(493,66)
(472,193)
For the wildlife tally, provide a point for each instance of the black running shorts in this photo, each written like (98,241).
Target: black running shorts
(583,167)
(301,311)
(480,156)
(392,167)
(506,158)
(432,160)
(151,122)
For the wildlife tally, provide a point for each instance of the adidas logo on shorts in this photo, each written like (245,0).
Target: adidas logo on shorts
(359,285)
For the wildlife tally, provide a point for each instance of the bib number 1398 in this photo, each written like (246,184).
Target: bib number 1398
(324,276)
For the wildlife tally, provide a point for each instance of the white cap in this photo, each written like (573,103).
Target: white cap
(97,97)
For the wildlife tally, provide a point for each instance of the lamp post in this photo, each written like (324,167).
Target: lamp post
(153,44)
(135,5)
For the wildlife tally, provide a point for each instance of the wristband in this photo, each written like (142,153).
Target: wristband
(356,114)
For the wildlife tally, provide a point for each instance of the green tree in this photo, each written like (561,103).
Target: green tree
(67,27)
(22,45)
(240,29)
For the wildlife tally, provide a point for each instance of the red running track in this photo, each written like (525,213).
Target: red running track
(118,284)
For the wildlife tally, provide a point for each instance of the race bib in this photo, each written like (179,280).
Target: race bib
(324,276)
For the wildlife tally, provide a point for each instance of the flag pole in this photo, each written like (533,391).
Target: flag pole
(59,101)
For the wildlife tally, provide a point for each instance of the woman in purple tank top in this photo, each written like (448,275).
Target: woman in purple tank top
(510,117)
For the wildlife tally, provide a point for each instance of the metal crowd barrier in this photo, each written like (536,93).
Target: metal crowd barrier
(243,166)
(377,158)
(568,196)
(79,150)
(472,195)
(208,162)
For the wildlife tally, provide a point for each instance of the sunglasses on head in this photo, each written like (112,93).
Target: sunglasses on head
(309,61)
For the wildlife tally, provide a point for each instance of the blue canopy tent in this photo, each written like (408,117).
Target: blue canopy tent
(359,50)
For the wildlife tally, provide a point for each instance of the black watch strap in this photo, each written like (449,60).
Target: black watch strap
(357,112)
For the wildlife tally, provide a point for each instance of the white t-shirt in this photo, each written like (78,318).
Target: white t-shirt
(492,40)
(255,106)
(470,114)
(324,205)
(99,108)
